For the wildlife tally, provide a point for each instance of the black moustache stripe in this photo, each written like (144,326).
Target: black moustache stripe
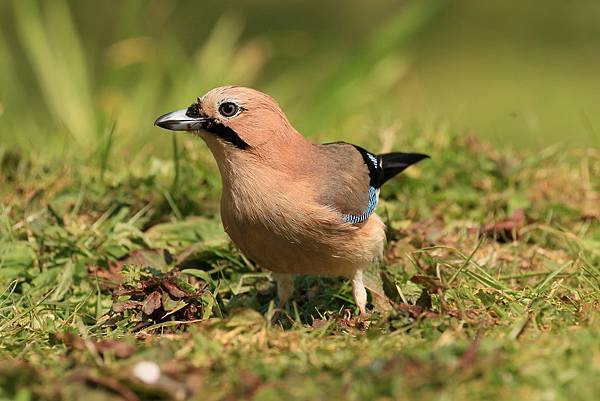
(223,132)
(226,134)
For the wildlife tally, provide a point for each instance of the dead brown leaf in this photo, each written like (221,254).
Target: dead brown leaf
(172,289)
(152,303)
(108,278)
(119,307)
(318,323)
(469,357)
(107,382)
(505,230)
(433,284)
(413,311)
(119,348)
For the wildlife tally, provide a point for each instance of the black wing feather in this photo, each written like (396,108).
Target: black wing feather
(388,164)
(391,164)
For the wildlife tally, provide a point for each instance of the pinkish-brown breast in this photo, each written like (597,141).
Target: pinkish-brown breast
(277,220)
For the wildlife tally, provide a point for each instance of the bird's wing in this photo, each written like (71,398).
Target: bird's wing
(350,177)
(345,181)
(390,164)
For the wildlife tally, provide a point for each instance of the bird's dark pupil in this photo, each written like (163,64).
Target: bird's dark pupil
(228,109)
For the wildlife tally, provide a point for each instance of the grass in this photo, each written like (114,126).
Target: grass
(492,264)
(111,249)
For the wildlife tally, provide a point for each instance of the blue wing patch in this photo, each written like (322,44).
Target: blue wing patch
(373,199)
(373,192)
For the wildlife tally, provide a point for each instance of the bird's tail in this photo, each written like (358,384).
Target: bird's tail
(394,163)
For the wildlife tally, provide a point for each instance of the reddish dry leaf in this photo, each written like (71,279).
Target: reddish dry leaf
(431,283)
(148,284)
(142,288)
(250,383)
(468,358)
(505,230)
(194,381)
(152,303)
(122,291)
(118,348)
(414,311)
(172,289)
(70,340)
(318,323)
(108,279)
(107,382)
(120,307)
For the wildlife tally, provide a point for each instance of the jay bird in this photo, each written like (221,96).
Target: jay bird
(291,206)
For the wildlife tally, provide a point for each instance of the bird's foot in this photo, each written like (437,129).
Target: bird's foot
(361,322)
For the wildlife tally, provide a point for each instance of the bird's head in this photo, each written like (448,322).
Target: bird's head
(233,118)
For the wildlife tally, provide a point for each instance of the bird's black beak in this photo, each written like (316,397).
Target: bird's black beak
(182,120)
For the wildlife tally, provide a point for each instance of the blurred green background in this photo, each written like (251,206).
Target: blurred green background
(520,74)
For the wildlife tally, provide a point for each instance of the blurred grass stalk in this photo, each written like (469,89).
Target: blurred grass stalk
(54,50)
(375,69)
(152,74)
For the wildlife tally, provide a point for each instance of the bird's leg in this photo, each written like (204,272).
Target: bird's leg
(285,288)
(359,292)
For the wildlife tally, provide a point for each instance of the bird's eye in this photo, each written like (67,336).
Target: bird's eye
(228,109)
